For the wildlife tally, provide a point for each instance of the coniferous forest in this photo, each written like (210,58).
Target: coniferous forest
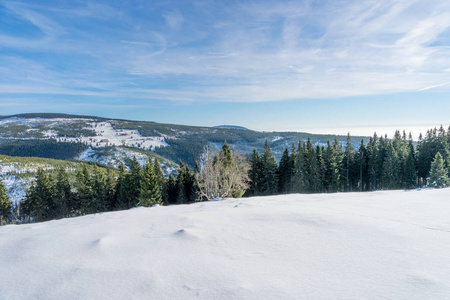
(381,164)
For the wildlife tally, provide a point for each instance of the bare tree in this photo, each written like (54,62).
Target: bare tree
(219,178)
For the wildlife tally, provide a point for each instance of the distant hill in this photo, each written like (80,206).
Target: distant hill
(100,136)
(231,127)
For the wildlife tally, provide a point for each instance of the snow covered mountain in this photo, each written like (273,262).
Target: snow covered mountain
(379,245)
(174,142)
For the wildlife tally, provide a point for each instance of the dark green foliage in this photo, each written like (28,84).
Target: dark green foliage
(5,205)
(186,185)
(38,202)
(42,148)
(255,174)
(438,172)
(150,188)
(64,198)
(285,170)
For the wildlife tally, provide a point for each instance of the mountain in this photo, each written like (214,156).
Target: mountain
(231,127)
(378,245)
(87,136)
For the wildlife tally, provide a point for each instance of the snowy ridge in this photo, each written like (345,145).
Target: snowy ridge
(379,245)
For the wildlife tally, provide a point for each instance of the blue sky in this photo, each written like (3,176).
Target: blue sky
(316,66)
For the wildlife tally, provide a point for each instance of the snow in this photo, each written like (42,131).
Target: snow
(112,158)
(380,245)
(106,135)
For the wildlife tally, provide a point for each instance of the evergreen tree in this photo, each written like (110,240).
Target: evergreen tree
(348,166)
(255,174)
(63,194)
(162,182)
(391,178)
(285,173)
(150,191)
(312,173)
(172,190)
(361,159)
(5,205)
(227,154)
(120,199)
(38,202)
(132,186)
(438,172)
(409,172)
(269,178)
(299,178)
(373,162)
(84,197)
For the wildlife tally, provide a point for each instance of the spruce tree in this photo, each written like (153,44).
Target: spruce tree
(150,193)
(438,172)
(391,178)
(299,177)
(409,172)
(5,205)
(120,199)
(255,174)
(38,202)
(162,182)
(284,173)
(269,178)
(63,194)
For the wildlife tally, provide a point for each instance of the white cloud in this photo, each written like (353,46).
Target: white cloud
(174,19)
(263,51)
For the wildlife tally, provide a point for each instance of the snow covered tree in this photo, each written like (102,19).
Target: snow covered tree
(150,192)
(5,205)
(438,173)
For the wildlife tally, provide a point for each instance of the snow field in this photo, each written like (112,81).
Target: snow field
(380,245)
(106,135)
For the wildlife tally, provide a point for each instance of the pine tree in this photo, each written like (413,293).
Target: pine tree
(391,178)
(255,174)
(172,190)
(63,194)
(409,172)
(5,205)
(299,178)
(162,182)
(348,170)
(285,173)
(132,186)
(150,193)
(269,179)
(227,154)
(120,199)
(373,162)
(38,202)
(361,159)
(438,173)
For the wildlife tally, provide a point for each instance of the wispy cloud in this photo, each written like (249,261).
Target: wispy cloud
(238,52)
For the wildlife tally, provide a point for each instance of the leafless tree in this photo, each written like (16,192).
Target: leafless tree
(218,179)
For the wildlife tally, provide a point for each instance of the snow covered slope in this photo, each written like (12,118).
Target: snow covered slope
(381,245)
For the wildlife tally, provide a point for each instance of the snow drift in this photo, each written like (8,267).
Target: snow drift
(380,245)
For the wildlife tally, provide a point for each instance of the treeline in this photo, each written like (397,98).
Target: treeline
(56,196)
(381,164)
(42,148)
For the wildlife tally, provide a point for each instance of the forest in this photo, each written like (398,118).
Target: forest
(381,164)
